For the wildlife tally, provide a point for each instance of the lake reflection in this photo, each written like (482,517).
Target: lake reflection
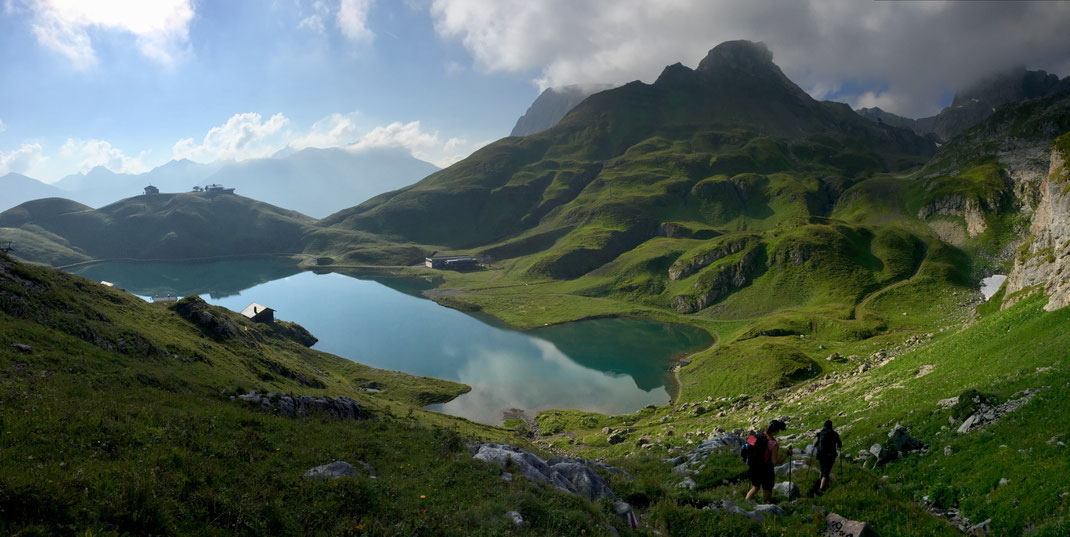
(604,365)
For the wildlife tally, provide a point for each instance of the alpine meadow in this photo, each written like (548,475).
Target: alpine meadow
(815,283)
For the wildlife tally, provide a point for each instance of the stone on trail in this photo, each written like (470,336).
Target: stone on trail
(787,489)
(837,526)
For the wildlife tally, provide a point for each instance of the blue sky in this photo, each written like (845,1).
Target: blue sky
(132,84)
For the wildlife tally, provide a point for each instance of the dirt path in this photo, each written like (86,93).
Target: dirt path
(869,298)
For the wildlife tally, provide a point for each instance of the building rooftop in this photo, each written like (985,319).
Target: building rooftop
(254,309)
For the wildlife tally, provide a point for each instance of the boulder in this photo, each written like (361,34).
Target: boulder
(570,475)
(342,408)
(687,483)
(794,466)
(837,526)
(903,442)
(979,530)
(787,489)
(22,347)
(760,512)
(584,481)
(334,470)
(764,510)
(518,520)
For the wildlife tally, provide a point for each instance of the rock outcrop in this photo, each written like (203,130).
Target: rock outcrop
(342,408)
(760,512)
(988,414)
(719,281)
(1044,261)
(573,476)
(339,469)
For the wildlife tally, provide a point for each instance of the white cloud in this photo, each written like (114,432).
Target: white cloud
(332,131)
(22,159)
(93,153)
(353,19)
(421,144)
(161,27)
(314,22)
(243,136)
(917,50)
(248,135)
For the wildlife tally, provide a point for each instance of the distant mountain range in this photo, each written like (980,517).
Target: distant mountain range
(16,188)
(975,103)
(316,182)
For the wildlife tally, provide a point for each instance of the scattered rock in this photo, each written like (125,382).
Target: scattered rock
(948,451)
(615,437)
(506,476)
(837,526)
(687,483)
(787,489)
(22,347)
(570,475)
(759,513)
(342,408)
(979,530)
(986,415)
(518,520)
(1004,481)
(903,442)
(334,470)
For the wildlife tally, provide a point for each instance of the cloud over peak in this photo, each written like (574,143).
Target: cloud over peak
(905,55)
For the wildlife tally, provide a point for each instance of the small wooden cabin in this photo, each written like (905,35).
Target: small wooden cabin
(258,313)
(151,190)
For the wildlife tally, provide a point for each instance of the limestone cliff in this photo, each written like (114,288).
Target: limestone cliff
(1044,260)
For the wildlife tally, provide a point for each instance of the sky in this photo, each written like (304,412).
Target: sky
(132,84)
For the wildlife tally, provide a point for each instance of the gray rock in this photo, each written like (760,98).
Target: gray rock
(334,470)
(518,520)
(569,475)
(612,531)
(980,530)
(342,408)
(948,451)
(764,510)
(687,483)
(787,489)
(837,526)
(903,442)
(22,347)
(794,466)
(584,481)
(1004,481)
(506,476)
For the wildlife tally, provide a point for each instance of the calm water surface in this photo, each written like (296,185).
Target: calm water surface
(604,365)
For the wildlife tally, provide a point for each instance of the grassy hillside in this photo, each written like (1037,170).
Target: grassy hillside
(160,226)
(117,419)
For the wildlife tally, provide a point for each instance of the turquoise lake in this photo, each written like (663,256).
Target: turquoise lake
(604,365)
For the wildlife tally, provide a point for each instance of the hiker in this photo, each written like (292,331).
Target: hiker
(763,454)
(826,445)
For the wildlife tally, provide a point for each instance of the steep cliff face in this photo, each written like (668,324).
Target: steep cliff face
(1044,260)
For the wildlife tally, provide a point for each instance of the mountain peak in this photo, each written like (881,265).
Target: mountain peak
(740,55)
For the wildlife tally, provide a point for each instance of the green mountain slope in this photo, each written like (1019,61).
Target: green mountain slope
(159,226)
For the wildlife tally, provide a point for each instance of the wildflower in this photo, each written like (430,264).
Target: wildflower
(422,496)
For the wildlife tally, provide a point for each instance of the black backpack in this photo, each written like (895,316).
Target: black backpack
(826,442)
(754,450)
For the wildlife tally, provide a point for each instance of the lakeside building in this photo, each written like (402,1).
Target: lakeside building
(451,262)
(167,298)
(151,190)
(258,313)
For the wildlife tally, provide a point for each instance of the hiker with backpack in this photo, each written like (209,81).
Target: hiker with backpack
(762,454)
(826,445)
